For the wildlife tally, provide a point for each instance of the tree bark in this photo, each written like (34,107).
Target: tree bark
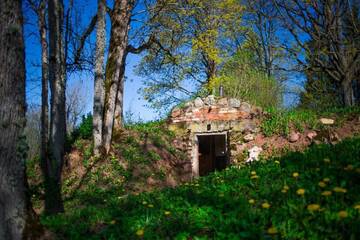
(120,22)
(348,93)
(119,107)
(44,85)
(54,163)
(99,91)
(15,206)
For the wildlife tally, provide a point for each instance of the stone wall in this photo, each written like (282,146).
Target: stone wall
(211,115)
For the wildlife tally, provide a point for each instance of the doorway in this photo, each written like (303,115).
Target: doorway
(212,152)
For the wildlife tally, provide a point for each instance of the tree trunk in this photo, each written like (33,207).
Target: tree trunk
(54,163)
(115,64)
(44,85)
(15,206)
(99,91)
(348,93)
(119,107)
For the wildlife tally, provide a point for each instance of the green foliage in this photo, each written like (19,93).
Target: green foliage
(241,79)
(84,131)
(280,121)
(195,37)
(230,204)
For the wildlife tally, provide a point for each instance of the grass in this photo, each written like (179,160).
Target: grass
(264,200)
(281,121)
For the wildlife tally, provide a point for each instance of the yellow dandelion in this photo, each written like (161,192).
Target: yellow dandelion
(144,202)
(295,174)
(254,177)
(326,193)
(286,187)
(253,173)
(197,185)
(150,206)
(326,180)
(339,190)
(313,207)
(277,162)
(251,201)
(357,206)
(284,191)
(112,222)
(342,214)
(326,160)
(167,213)
(300,191)
(322,184)
(265,205)
(272,230)
(140,232)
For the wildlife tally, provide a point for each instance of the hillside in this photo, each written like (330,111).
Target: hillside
(309,195)
(140,190)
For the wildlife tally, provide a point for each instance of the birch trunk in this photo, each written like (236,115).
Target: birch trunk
(115,63)
(99,91)
(54,163)
(14,202)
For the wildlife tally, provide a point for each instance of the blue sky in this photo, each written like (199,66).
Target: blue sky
(132,99)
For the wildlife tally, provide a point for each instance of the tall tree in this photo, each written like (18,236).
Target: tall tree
(99,90)
(16,215)
(39,8)
(120,24)
(192,40)
(54,164)
(324,21)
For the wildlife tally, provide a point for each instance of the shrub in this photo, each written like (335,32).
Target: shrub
(241,79)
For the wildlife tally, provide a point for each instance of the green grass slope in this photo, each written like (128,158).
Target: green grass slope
(310,195)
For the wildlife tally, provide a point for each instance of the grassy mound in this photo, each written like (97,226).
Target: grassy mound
(310,195)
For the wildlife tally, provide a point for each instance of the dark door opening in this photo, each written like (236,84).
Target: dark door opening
(212,153)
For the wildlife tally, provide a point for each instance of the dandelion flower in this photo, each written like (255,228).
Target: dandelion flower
(339,190)
(167,213)
(253,173)
(251,201)
(286,187)
(140,232)
(284,191)
(357,206)
(313,207)
(112,222)
(265,205)
(144,202)
(277,162)
(300,191)
(150,206)
(254,177)
(326,193)
(326,180)
(326,160)
(295,174)
(322,184)
(342,214)
(272,230)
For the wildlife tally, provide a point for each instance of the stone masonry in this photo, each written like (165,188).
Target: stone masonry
(205,116)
